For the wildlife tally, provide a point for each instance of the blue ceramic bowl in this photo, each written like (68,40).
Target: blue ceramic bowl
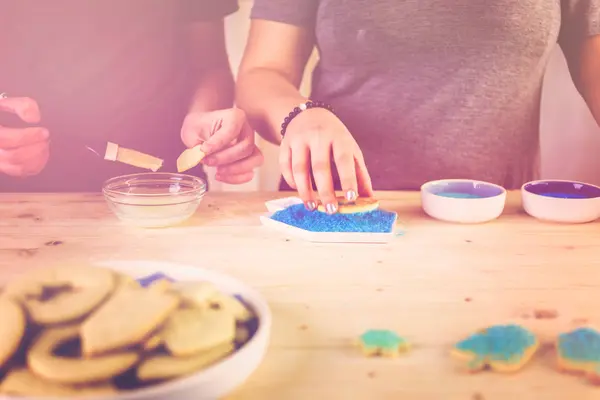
(561,201)
(463,200)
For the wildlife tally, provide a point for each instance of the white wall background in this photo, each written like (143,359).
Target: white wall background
(570,138)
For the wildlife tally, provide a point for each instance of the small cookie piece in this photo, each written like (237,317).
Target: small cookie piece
(190,158)
(153,343)
(126,319)
(195,294)
(231,305)
(578,351)
(192,331)
(360,205)
(62,294)
(381,342)
(13,323)
(22,382)
(160,367)
(503,348)
(43,361)
(161,285)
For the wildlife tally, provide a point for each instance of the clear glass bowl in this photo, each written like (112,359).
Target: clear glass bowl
(154,200)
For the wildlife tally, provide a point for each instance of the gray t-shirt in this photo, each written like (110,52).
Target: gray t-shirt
(438,89)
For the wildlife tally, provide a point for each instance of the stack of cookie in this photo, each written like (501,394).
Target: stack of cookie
(88,330)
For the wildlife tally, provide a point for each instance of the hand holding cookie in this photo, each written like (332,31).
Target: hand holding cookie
(79,331)
(314,140)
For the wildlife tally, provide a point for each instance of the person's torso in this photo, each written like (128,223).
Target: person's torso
(438,89)
(100,70)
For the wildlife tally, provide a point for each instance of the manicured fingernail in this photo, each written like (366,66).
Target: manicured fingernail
(311,206)
(331,208)
(351,195)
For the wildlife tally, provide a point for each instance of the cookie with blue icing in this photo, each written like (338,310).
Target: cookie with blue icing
(382,342)
(502,348)
(578,351)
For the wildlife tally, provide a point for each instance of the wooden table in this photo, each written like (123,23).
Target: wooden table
(434,285)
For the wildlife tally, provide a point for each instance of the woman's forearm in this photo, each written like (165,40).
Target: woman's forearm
(215,91)
(267,97)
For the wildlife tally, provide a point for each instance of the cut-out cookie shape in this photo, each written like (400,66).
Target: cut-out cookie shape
(22,382)
(503,348)
(126,320)
(12,328)
(578,351)
(157,367)
(381,342)
(61,294)
(192,331)
(43,361)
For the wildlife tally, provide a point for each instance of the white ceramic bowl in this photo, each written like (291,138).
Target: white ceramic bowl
(463,200)
(221,378)
(561,201)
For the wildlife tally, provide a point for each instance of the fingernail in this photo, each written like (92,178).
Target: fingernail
(311,206)
(331,208)
(351,195)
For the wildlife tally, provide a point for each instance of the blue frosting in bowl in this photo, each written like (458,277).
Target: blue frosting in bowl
(563,189)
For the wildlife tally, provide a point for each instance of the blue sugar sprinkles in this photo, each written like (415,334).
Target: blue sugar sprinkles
(376,221)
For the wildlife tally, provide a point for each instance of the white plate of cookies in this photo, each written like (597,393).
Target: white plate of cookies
(127,330)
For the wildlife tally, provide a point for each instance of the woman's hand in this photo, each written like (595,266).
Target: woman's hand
(228,142)
(314,139)
(23,151)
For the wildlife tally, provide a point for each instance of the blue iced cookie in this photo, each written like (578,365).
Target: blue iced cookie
(502,348)
(578,351)
(382,342)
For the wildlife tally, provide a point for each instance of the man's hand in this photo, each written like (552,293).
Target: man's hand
(23,151)
(228,142)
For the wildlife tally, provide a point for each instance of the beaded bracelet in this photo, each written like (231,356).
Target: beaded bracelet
(303,107)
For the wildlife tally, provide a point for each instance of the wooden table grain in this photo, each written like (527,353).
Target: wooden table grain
(434,285)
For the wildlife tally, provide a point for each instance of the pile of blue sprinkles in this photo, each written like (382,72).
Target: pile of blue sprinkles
(376,221)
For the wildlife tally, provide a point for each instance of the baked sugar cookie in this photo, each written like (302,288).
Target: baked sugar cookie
(230,304)
(195,294)
(578,351)
(126,319)
(192,331)
(43,361)
(61,294)
(160,367)
(12,328)
(502,348)
(22,382)
(360,205)
(380,342)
